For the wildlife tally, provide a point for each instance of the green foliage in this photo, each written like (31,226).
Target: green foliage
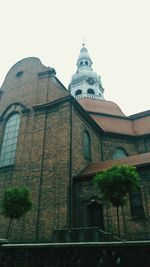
(117,182)
(16,202)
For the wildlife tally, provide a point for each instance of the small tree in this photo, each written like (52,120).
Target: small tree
(15,203)
(116,183)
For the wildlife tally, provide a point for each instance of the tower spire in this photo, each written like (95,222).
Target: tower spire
(85,82)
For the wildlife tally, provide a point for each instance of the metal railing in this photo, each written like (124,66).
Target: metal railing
(85,234)
(86,95)
(95,234)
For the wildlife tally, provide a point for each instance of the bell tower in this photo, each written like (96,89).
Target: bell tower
(85,83)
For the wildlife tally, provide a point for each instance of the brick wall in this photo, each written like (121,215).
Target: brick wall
(50,136)
(50,153)
(42,154)
(111,142)
(79,127)
(86,190)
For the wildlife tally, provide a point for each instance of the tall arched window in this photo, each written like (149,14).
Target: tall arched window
(119,153)
(8,147)
(87,146)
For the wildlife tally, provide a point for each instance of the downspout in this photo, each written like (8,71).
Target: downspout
(70,189)
(102,155)
(40,183)
(41,172)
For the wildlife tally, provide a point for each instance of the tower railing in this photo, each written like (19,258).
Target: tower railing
(86,95)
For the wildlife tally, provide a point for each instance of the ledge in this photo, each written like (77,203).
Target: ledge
(48,73)
(81,244)
(3,241)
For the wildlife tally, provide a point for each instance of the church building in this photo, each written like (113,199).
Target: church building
(53,140)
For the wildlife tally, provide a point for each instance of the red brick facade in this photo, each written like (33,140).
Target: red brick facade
(50,154)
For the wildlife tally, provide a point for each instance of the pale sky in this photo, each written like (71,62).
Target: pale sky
(116,34)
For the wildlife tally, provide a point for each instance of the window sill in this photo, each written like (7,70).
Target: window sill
(6,168)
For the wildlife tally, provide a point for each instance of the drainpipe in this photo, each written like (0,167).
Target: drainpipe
(40,184)
(102,155)
(70,174)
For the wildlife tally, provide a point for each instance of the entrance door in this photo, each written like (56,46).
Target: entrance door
(95,215)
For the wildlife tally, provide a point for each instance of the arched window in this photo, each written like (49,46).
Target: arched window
(90,91)
(8,147)
(78,92)
(119,153)
(87,146)
(95,215)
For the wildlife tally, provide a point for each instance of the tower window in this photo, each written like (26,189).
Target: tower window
(81,63)
(78,92)
(91,91)
(86,62)
(8,148)
(87,146)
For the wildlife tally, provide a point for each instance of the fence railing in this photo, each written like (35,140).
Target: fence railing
(87,234)
(94,234)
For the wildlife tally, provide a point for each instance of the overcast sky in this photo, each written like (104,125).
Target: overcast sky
(116,34)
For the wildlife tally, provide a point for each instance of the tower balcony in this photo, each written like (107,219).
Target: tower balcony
(86,95)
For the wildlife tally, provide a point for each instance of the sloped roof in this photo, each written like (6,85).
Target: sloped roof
(101,106)
(136,160)
(111,119)
(140,114)
(142,125)
(114,124)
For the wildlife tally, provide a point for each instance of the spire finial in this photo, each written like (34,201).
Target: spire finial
(83,42)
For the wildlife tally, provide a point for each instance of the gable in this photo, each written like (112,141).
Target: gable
(31,83)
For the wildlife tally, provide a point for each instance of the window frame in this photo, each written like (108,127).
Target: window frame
(90,91)
(87,145)
(78,92)
(123,155)
(9,140)
(136,205)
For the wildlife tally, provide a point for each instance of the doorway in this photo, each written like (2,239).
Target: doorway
(95,215)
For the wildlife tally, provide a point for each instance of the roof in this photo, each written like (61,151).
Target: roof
(101,106)
(126,126)
(111,119)
(114,124)
(83,75)
(84,53)
(142,125)
(136,160)
(140,114)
